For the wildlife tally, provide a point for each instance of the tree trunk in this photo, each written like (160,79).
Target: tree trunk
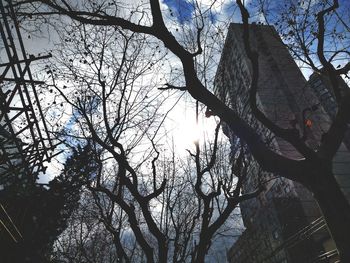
(336,211)
(203,246)
(202,251)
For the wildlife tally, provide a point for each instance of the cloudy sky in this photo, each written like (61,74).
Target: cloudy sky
(182,11)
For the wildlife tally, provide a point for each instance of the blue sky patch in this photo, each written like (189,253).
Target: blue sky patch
(181,9)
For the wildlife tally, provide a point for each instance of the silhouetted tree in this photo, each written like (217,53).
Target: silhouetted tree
(146,21)
(41,213)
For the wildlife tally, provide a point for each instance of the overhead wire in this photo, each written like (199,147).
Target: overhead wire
(10,219)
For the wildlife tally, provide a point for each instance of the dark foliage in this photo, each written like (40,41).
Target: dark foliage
(41,213)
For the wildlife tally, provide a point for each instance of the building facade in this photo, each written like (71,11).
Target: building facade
(320,85)
(284,224)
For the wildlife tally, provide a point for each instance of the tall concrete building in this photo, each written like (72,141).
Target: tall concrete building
(284,224)
(320,85)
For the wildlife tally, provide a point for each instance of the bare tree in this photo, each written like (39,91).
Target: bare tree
(189,213)
(314,171)
(101,95)
(300,32)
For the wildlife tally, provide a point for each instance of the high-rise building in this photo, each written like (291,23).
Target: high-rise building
(284,223)
(320,85)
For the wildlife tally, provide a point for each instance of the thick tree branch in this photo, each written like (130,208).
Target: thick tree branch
(169,86)
(96,18)
(147,249)
(320,49)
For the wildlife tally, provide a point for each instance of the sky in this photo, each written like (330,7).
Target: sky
(182,11)
(227,10)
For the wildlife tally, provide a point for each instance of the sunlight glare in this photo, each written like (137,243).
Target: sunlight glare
(186,134)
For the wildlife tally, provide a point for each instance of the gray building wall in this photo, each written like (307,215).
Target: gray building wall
(283,95)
